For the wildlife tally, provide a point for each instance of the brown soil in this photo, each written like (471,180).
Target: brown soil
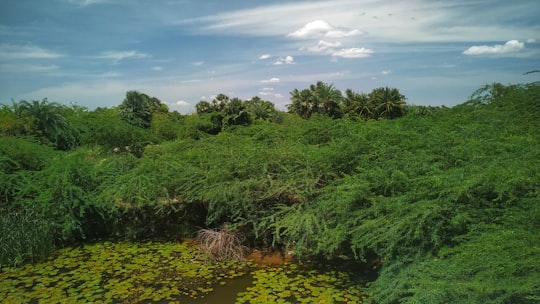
(269,258)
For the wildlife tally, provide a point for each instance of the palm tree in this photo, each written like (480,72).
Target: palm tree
(45,115)
(388,102)
(329,99)
(204,107)
(260,109)
(359,104)
(303,103)
(48,123)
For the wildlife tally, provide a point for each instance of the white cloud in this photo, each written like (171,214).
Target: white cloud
(266,91)
(157,68)
(183,103)
(323,47)
(117,56)
(512,46)
(353,53)
(531,40)
(85,2)
(198,63)
(326,47)
(284,60)
(269,92)
(264,56)
(27,68)
(386,72)
(321,28)
(397,21)
(271,80)
(9,51)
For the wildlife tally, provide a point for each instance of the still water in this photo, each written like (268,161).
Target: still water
(169,272)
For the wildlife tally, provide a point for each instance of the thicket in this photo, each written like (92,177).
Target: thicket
(446,199)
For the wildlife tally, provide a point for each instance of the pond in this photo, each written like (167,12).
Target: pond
(168,272)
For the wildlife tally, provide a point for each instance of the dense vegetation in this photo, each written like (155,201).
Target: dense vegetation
(446,200)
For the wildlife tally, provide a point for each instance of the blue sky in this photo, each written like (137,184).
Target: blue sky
(90,52)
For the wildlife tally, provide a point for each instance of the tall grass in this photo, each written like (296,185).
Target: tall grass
(24,236)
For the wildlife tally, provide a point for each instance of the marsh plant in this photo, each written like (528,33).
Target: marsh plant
(222,245)
(24,236)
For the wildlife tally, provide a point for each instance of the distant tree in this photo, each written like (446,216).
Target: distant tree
(260,109)
(11,124)
(48,122)
(358,104)
(220,102)
(235,113)
(137,108)
(303,103)
(388,102)
(329,99)
(46,115)
(491,92)
(204,107)
(320,98)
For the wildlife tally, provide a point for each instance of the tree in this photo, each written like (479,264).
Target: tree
(235,113)
(303,103)
(329,99)
(204,107)
(220,102)
(358,104)
(48,123)
(388,102)
(320,98)
(260,109)
(137,108)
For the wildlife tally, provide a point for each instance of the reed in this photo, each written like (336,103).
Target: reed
(24,237)
(222,245)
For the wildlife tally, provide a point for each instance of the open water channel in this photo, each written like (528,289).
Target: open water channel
(169,272)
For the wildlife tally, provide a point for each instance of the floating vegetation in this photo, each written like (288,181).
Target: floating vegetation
(118,273)
(290,283)
(164,272)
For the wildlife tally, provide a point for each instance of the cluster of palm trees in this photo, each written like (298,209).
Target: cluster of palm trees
(227,111)
(323,98)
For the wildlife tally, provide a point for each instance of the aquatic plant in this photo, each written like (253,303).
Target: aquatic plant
(291,283)
(221,245)
(118,273)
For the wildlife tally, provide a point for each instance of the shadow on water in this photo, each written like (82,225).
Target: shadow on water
(223,293)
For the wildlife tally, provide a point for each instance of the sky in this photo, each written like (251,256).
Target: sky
(91,52)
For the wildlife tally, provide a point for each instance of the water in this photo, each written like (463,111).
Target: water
(169,272)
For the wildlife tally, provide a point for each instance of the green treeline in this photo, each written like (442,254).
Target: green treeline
(446,200)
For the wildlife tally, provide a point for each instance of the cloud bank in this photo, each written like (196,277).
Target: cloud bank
(512,46)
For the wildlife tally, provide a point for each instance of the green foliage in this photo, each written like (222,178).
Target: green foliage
(224,112)
(137,109)
(388,102)
(42,119)
(435,197)
(325,99)
(320,98)
(107,130)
